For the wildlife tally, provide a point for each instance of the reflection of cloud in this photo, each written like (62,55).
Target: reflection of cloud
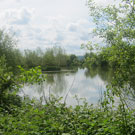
(89,88)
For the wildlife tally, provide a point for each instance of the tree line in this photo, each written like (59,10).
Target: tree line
(53,58)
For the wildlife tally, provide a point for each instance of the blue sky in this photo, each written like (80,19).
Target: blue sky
(45,23)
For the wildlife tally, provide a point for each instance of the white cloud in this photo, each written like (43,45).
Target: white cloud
(47,23)
(16,16)
(72,27)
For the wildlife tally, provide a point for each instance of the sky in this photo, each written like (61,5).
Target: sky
(48,23)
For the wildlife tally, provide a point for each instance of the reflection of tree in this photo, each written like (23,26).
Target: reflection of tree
(91,73)
(59,83)
(56,82)
(105,74)
(45,85)
(50,79)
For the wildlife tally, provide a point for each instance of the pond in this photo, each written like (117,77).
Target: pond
(88,84)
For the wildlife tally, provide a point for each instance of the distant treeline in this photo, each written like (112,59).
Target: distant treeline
(110,56)
(50,59)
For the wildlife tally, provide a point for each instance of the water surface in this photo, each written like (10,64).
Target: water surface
(84,83)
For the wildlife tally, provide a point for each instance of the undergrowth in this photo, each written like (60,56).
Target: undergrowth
(55,118)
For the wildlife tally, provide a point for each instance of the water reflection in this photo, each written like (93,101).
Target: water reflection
(85,83)
(105,73)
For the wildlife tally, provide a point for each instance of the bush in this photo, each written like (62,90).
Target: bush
(51,68)
(55,118)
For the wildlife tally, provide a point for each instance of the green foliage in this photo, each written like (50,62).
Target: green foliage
(20,116)
(6,77)
(51,68)
(50,59)
(29,117)
(33,75)
(73,61)
(8,80)
(115,25)
(10,84)
(7,44)
(118,28)
(55,118)
(32,59)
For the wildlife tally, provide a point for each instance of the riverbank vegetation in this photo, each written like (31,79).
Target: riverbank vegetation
(114,115)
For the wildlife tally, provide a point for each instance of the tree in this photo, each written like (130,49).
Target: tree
(49,58)
(7,45)
(115,24)
(61,57)
(73,61)
(32,58)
